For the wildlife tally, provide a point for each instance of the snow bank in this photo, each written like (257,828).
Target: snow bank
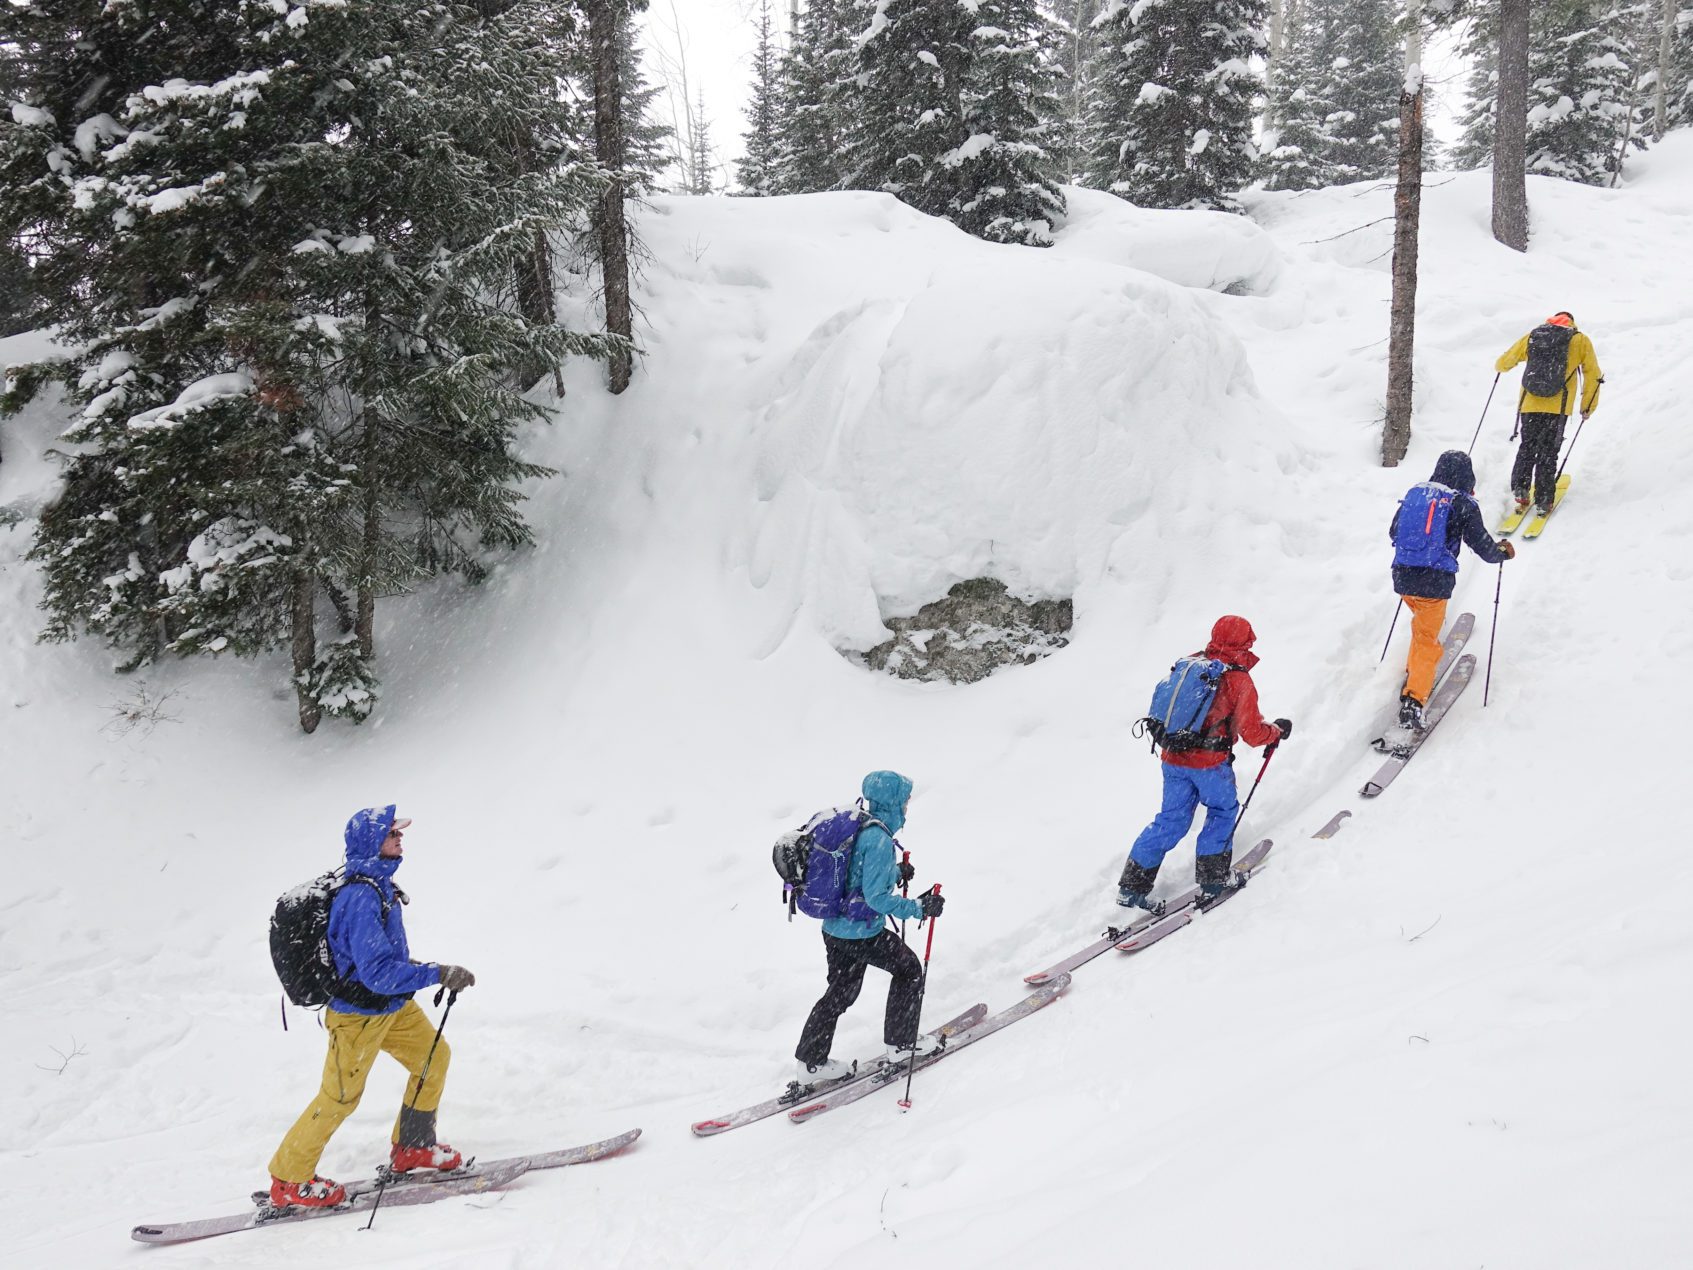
(1213,251)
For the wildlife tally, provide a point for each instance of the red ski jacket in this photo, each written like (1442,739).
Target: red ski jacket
(1234,714)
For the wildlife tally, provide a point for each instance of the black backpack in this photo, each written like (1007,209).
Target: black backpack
(1547,374)
(299,943)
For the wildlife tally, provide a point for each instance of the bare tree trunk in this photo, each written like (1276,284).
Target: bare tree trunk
(1278,43)
(1660,95)
(1510,128)
(304,642)
(1407,212)
(604,17)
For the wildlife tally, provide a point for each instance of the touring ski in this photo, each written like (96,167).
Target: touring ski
(796,1093)
(1388,732)
(1401,753)
(890,1073)
(1181,910)
(473,1168)
(1333,827)
(361,1196)
(1537,526)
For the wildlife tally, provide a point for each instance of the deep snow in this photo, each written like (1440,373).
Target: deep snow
(1447,1037)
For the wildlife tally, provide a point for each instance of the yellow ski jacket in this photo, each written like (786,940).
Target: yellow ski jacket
(1581,358)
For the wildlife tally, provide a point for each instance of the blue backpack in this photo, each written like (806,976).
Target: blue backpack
(1182,701)
(815,864)
(1419,536)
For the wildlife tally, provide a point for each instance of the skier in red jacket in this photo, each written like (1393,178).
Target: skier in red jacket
(1206,775)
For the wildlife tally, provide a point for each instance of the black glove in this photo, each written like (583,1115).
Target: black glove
(456,978)
(932,903)
(907,871)
(1285,726)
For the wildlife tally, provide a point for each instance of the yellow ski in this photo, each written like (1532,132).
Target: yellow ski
(1536,526)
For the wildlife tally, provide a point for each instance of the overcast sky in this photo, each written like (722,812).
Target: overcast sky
(717,39)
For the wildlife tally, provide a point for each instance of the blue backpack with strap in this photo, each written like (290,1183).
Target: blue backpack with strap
(1419,535)
(1182,701)
(815,864)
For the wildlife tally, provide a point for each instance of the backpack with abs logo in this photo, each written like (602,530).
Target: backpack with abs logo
(299,943)
(1419,535)
(1181,703)
(815,864)
(1547,372)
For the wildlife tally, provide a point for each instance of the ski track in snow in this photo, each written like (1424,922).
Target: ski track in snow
(1416,1044)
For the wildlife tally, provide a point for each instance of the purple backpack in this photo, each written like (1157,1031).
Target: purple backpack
(815,864)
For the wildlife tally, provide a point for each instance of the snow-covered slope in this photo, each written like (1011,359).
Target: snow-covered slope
(1445,1037)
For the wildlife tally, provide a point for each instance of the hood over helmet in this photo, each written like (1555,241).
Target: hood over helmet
(1231,641)
(364,837)
(1455,471)
(886,794)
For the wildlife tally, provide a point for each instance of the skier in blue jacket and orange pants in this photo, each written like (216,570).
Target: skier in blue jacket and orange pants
(1433,518)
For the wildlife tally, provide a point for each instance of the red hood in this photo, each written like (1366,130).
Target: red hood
(1231,641)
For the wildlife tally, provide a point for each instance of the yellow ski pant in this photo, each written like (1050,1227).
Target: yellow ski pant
(354,1042)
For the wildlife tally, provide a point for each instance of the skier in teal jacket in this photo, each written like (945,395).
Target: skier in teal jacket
(861,937)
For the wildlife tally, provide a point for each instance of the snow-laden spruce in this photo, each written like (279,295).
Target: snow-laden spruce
(290,247)
(1173,104)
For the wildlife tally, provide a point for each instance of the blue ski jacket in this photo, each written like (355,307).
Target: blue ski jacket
(1465,524)
(875,871)
(365,947)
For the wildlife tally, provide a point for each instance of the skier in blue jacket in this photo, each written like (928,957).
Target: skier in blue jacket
(861,937)
(1443,514)
(372,1012)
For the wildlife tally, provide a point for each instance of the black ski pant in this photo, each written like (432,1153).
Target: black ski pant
(1537,457)
(847,960)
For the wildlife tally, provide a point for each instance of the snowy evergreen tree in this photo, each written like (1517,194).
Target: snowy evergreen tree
(914,61)
(1006,191)
(1071,38)
(1299,157)
(1584,97)
(954,113)
(281,239)
(1363,84)
(701,158)
(757,167)
(1173,103)
(646,141)
(818,78)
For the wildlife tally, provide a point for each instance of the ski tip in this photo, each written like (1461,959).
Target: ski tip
(1370,790)
(705,1128)
(1035,980)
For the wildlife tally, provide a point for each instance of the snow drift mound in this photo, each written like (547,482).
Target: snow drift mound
(873,406)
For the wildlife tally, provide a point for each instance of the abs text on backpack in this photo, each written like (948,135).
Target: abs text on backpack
(815,864)
(299,943)
(1419,535)
(1181,703)
(1547,373)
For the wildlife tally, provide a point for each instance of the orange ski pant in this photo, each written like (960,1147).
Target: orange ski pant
(1427,617)
(354,1042)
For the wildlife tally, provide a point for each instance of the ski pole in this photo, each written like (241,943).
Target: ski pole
(382,1186)
(1479,422)
(1487,684)
(1390,626)
(922,990)
(1570,451)
(1269,753)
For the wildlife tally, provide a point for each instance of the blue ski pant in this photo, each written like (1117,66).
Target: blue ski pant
(1185,788)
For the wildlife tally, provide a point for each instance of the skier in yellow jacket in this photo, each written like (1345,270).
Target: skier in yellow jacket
(1556,352)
